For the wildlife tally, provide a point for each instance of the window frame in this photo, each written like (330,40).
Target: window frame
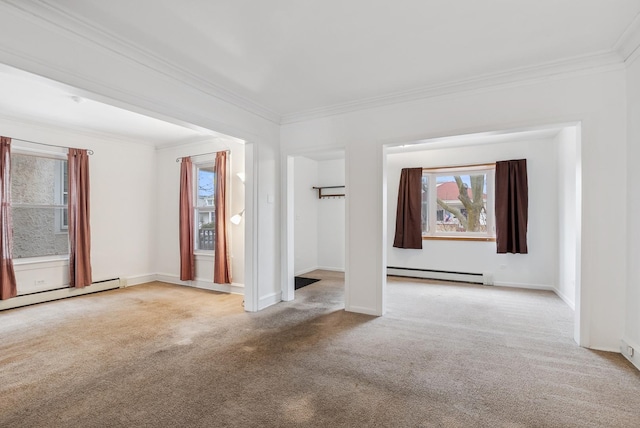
(202,209)
(62,196)
(58,191)
(432,175)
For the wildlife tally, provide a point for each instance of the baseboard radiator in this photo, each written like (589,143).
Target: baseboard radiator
(57,294)
(441,275)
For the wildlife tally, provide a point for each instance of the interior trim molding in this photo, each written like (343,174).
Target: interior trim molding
(48,13)
(234,288)
(269,300)
(628,43)
(595,63)
(52,14)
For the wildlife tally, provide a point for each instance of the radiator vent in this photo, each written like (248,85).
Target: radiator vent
(442,275)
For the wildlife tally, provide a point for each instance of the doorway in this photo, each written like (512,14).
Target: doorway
(315,208)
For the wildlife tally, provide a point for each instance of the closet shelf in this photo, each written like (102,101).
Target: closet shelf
(322,195)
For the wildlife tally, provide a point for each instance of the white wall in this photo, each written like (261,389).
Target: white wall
(597,100)
(123,218)
(305,215)
(567,212)
(319,230)
(331,217)
(97,70)
(537,269)
(632,319)
(167,250)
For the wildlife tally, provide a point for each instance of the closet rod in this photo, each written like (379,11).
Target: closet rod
(203,154)
(45,144)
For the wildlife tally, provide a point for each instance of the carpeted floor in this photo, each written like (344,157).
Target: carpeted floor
(445,355)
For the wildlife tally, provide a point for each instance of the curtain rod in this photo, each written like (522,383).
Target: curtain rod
(203,154)
(89,151)
(477,165)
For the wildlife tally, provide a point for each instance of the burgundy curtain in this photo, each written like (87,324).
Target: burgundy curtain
(222,267)
(409,211)
(512,202)
(187,262)
(79,227)
(8,287)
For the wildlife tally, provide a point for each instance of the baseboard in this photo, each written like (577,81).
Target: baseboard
(362,310)
(63,293)
(525,285)
(137,279)
(331,269)
(565,299)
(269,300)
(305,271)
(200,283)
(630,351)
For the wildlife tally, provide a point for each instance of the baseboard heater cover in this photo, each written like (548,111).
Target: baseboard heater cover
(441,275)
(60,293)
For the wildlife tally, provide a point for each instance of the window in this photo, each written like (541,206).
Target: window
(458,203)
(39,191)
(205,211)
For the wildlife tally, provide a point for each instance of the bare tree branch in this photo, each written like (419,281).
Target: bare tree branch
(455,211)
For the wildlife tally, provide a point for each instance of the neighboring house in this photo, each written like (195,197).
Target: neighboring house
(448,192)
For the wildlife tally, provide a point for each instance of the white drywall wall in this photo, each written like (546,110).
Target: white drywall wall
(167,250)
(305,215)
(597,100)
(632,309)
(123,218)
(331,217)
(567,211)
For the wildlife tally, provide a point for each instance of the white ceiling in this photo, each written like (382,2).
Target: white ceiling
(292,56)
(296,56)
(39,100)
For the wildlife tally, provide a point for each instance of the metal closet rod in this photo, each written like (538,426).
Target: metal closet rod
(89,151)
(203,154)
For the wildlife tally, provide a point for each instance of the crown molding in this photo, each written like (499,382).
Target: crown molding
(63,20)
(598,62)
(63,131)
(628,44)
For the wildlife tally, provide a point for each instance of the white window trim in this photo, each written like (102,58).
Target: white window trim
(432,203)
(49,258)
(210,162)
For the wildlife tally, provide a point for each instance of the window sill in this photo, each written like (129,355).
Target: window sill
(459,238)
(43,259)
(203,254)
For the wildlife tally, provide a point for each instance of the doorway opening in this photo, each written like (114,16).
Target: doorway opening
(315,207)
(554,224)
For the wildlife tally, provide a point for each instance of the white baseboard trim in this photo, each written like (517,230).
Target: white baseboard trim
(565,299)
(200,283)
(137,279)
(630,350)
(331,269)
(525,285)
(269,300)
(63,293)
(362,310)
(303,271)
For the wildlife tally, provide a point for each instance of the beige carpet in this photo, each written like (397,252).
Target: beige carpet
(445,355)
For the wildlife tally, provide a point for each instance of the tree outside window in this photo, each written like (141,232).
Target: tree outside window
(458,202)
